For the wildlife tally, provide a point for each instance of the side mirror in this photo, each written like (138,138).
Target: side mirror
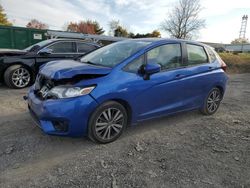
(45,51)
(148,69)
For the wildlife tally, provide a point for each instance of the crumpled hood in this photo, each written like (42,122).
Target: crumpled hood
(12,52)
(68,68)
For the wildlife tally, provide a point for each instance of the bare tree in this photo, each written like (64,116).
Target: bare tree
(113,25)
(183,21)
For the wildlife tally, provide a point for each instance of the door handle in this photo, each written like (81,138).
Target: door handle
(179,76)
(211,68)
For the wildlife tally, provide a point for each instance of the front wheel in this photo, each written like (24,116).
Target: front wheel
(107,122)
(212,102)
(17,76)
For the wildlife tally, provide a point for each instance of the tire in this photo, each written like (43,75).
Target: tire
(212,102)
(17,77)
(107,122)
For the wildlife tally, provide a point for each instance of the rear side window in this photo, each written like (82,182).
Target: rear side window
(62,47)
(84,48)
(211,54)
(196,54)
(167,56)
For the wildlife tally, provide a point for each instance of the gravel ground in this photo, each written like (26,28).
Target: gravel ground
(183,150)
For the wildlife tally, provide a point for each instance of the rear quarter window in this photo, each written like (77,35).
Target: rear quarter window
(212,56)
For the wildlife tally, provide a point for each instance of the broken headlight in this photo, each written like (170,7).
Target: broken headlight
(68,92)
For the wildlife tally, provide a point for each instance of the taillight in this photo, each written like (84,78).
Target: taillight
(223,65)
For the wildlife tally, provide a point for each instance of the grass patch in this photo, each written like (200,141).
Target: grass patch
(236,63)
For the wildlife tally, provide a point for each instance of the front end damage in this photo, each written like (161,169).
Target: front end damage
(43,85)
(63,106)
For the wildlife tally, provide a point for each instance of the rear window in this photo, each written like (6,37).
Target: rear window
(196,54)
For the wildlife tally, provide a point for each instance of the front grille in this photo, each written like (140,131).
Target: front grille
(43,86)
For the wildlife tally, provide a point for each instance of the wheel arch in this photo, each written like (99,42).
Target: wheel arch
(220,88)
(124,103)
(127,106)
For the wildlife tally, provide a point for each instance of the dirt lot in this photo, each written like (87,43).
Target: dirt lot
(184,150)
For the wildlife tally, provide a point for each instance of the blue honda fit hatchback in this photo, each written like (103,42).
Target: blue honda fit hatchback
(125,83)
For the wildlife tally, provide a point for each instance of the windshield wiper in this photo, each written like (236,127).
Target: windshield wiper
(89,62)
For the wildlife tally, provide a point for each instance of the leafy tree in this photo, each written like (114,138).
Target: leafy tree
(98,30)
(183,21)
(34,23)
(86,27)
(155,33)
(3,18)
(73,27)
(121,32)
(240,41)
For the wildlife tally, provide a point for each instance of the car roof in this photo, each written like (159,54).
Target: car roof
(74,40)
(167,40)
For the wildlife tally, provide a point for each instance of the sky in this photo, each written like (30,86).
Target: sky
(223,17)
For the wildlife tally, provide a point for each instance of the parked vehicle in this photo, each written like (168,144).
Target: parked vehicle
(18,68)
(124,83)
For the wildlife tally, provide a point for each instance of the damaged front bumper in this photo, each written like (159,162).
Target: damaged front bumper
(66,117)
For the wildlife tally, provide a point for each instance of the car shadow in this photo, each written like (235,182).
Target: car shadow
(160,122)
(23,124)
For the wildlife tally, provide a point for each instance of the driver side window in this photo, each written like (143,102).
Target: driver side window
(62,47)
(167,56)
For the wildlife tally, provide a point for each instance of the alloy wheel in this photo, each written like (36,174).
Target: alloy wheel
(21,77)
(213,101)
(109,123)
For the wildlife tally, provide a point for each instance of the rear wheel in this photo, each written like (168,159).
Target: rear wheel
(17,76)
(107,122)
(212,102)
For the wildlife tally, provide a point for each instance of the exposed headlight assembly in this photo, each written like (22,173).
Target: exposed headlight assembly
(68,91)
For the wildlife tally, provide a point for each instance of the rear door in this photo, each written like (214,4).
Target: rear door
(59,50)
(199,66)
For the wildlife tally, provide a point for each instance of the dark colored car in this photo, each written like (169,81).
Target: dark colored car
(18,68)
(124,83)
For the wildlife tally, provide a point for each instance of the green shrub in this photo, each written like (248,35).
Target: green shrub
(236,63)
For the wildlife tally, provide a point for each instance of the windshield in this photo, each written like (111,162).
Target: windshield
(37,45)
(113,54)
